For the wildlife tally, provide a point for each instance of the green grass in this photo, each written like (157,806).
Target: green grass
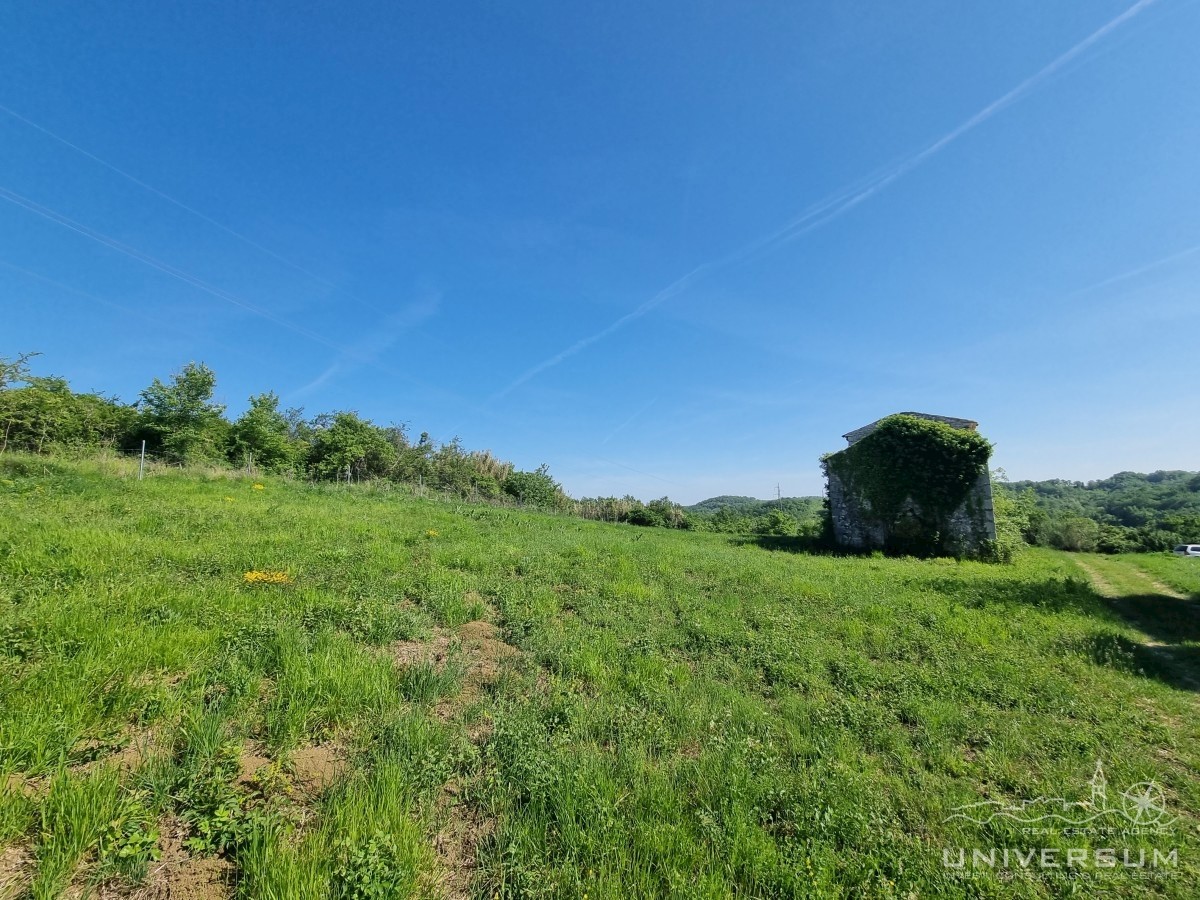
(1179,572)
(690,715)
(1146,573)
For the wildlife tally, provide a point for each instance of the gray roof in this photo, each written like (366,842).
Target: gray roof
(859,433)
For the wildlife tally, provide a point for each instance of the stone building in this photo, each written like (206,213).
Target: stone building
(962,527)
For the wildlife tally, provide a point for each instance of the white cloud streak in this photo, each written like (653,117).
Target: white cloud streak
(839,203)
(675,287)
(368,349)
(835,206)
(189,209)
(629,421)
(1138,270)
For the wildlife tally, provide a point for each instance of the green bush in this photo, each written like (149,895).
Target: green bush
(1074,533)
(534,488)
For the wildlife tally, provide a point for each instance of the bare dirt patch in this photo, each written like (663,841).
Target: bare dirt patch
(477,645)
(479,641)
(315,767)
(465,826)
(483,654)
(405,653)
(32,787)
(485,650)
(178,875)
(16,870)
(125,755)
(252,762)
(457,844)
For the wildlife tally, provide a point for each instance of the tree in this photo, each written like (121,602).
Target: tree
(44,412)
(1015,513)
(181,418)
(778,524)
(344,443)
(646,516)
(14,370)
(263,434)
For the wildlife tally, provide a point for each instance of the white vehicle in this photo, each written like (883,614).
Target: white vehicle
(1188,550)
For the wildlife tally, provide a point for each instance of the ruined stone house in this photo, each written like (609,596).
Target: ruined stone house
(963,525)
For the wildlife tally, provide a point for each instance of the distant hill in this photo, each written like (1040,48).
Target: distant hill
(725,501)
(751,507)
(1131,499)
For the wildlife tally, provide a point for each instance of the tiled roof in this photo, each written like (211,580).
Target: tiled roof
(859,433)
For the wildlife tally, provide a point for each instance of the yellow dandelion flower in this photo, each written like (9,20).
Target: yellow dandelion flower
(229,499)
(254,576)
(431,533)
(258,487)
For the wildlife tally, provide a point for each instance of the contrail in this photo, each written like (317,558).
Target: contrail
(191,210)
(250,242)
(368,349)
(141,314)
(629,421)
(662,296)
(831,210)
(838,203)
(188,278)
(1138,270)
(613,462)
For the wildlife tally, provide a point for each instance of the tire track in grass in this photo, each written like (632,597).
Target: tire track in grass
(1160,586)
(1103,587)
(1161,650)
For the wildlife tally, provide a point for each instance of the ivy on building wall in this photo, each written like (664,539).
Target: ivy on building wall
(908,465)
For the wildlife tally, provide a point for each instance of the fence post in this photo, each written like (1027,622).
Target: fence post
(142,462)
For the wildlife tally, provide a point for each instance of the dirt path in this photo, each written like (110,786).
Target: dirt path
(1103,587)
(1159,588)
(1162,651)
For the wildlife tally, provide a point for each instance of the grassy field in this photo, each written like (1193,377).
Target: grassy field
(1179,573)
(212,686)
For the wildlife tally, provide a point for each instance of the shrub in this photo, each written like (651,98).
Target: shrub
(534,488)
(1070,533)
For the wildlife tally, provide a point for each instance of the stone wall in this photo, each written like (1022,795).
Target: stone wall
(974,522)
(968,528)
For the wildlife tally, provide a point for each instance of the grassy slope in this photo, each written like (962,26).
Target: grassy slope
(689,717)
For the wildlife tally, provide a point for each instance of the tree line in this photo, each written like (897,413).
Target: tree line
(182,424)
(1129,512)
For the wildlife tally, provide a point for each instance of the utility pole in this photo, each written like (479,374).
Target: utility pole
(778,496)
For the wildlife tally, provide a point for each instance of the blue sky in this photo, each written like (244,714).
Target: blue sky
(673,248)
